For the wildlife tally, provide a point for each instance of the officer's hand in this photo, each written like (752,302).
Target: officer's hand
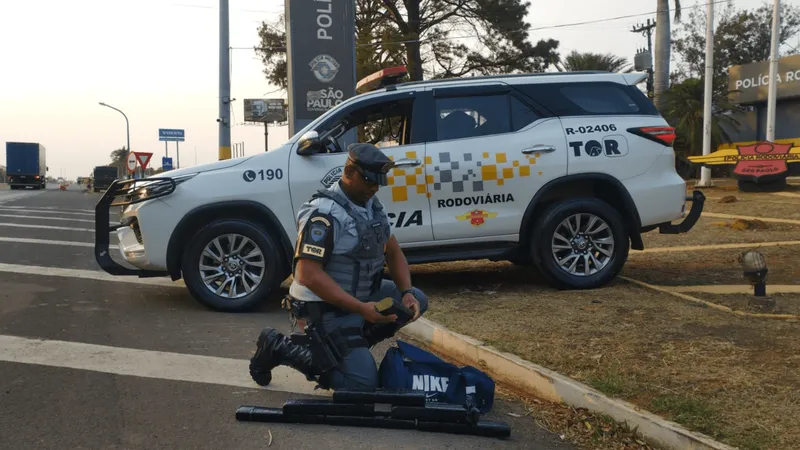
(371,314)
(411,302)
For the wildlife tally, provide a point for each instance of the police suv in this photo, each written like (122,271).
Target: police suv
(561,171)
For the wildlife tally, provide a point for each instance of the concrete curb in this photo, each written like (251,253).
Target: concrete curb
(552,386)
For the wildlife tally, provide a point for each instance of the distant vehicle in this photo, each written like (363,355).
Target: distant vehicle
(103,177)
(26,165)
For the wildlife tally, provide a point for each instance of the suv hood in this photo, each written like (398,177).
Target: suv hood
(224,164)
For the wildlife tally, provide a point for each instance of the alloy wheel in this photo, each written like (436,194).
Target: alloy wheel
(232,266)
(583,244)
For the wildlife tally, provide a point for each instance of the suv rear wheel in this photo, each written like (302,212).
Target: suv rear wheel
(231,265)
(580,243)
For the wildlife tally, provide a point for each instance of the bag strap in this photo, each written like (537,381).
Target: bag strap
(416,354)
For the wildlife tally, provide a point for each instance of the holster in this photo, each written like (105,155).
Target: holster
(328,347)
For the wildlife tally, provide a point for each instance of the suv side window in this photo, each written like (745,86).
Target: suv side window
(588,99)
(481,115)
(385,124)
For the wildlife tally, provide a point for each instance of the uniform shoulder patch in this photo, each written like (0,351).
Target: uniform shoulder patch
(315,240)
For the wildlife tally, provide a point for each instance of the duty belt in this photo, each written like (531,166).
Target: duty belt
(314,312)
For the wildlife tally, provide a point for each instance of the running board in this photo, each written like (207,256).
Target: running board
(494,251)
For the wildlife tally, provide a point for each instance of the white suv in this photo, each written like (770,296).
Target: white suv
(562,171)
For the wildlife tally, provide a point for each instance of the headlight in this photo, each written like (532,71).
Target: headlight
(157,187)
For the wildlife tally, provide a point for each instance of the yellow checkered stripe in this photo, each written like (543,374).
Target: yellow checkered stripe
(465,175)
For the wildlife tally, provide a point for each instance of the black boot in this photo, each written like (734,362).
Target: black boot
(377,332)
(274,349)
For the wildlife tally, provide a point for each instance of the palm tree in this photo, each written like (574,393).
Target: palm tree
(608,62)
(119,158)
(683,108)
(662,55)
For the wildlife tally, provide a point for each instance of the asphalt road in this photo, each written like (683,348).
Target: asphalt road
(90,361)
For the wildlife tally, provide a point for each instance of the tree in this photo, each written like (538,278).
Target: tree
(741,37)
(662,47)
(577,61)
(683,109)
(427,36)
(119,159)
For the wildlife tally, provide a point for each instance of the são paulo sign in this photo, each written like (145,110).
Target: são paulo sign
(756,160)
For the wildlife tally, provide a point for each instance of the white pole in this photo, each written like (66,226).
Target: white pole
(773,71)
(705,172)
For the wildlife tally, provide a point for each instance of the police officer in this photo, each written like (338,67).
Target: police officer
(343,243)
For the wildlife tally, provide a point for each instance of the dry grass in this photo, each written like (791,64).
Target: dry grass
(734,379)
(708,231)
(752,204)
(711,266)
(784,303)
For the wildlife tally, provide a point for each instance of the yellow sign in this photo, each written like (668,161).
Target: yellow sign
(758,159)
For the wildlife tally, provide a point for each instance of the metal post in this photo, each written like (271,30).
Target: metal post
(224,83)
(772,92)
(166,149)
(127,125)
(177,154)
(266,137)
(705,173)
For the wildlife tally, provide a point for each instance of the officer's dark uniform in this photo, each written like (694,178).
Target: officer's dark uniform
(348,239)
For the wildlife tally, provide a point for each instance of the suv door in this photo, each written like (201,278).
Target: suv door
(390,122)
(492,150)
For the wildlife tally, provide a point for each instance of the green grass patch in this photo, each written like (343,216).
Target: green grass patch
(612,382)
(690,412)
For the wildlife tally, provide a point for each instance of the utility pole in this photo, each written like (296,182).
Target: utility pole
(705,172)
(647,30)
(772,92)
(224,83)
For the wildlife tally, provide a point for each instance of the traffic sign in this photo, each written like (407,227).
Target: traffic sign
(131,162)
(166,163)
(169,134)
(143,158)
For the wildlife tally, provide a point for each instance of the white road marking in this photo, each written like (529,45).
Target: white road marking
(25,209)
(148,364)
(9,195)
(49,242)
(87,275)
(69,219)
(46,227)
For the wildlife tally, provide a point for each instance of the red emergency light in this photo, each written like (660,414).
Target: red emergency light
(381,78)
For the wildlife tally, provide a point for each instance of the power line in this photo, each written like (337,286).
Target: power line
(469,36)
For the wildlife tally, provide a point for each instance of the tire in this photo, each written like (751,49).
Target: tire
(243,300)
(554,218)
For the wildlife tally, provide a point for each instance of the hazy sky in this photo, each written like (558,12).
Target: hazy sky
(157,60)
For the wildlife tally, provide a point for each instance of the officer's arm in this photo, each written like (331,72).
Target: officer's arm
(398,265)
(314,249)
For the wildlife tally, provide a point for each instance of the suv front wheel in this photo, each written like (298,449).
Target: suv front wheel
(580,243)
(231,265)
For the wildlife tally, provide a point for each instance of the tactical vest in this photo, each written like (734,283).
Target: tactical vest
(359,271)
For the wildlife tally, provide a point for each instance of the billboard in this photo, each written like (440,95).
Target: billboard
(320,37)
(264,110)
(749,83)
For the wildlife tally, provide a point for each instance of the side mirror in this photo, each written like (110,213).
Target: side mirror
(309,144)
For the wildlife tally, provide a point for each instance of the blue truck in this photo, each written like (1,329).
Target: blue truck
(26,165)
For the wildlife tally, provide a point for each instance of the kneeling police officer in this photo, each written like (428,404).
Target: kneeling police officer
(343,242)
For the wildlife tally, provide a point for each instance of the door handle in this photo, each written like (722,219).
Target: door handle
(407,163)
(539,148)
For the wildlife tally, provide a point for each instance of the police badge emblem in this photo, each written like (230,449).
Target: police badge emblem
(324,68)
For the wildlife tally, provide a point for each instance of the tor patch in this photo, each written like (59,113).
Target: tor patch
(318,231)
